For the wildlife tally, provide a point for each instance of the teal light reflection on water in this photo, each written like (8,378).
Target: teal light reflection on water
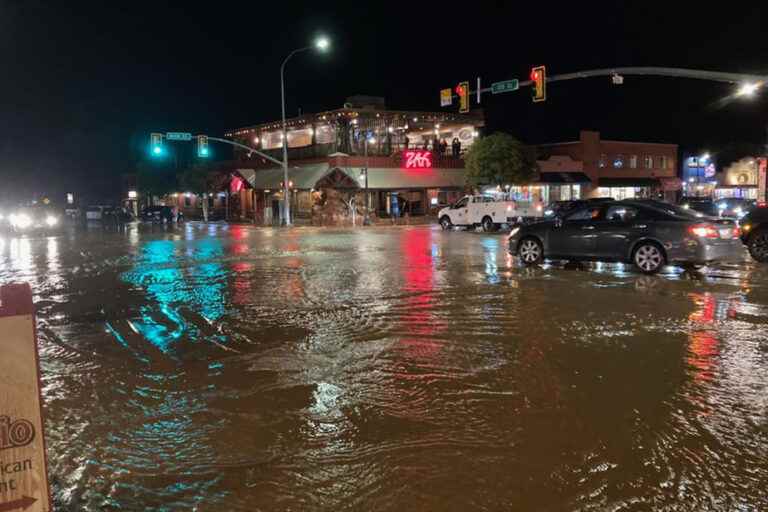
(173,285)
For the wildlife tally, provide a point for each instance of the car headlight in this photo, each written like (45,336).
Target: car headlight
(686,206)
(549,213)
(514,232)
(722,206)
(21,221)
(746,227)
(51,220)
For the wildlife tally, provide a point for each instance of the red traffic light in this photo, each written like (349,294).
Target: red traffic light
(534,74)
(460,90)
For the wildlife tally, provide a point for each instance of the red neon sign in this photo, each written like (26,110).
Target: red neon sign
(236,185)
(417,159)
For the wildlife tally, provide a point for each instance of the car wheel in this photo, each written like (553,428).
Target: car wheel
(530,251)
(649,258)
(445,222)
(758,246)
(488,224)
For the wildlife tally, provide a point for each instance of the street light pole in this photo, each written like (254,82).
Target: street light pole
(321,44)
(286,187)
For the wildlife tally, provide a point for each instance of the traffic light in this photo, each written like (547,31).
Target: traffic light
(202,146)
(539,85)
(156,144)
(463,91)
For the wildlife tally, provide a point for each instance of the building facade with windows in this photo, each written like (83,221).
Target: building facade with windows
(618,169)
(402,162)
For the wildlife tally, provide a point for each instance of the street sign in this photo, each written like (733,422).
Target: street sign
(446,97)
(505,86)
(178,136)
(23,471)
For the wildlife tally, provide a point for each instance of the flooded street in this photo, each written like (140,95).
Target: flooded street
(218,368)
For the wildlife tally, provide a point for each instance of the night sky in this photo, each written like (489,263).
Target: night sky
(84,83)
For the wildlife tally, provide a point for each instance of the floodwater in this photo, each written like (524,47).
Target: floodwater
(232,368)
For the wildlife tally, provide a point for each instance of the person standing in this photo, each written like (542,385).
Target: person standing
(456,147)
(443,147)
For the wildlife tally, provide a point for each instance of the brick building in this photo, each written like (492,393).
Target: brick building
(618,169)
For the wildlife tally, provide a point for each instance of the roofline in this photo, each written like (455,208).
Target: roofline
(477,115)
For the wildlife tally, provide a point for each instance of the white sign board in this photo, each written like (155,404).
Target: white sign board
(23,471)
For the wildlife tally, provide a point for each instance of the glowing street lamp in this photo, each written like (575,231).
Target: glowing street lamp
(748,89)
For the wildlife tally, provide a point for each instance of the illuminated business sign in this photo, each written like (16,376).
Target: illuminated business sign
(417,159)
(761,177)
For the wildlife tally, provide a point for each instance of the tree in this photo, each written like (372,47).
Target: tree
(153,180)
(201,181)
(499,160)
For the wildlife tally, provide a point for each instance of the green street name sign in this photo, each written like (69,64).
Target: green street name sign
(505,86)
(178,136)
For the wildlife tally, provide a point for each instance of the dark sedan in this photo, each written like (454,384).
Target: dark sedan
(649,234)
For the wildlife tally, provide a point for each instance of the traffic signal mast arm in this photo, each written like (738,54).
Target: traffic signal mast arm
(696,74)
(247,148)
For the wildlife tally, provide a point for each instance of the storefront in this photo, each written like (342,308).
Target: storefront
(418,191)
(738,180)
(628,188)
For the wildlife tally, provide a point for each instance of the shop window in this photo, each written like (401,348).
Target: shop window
(633,162)
(187,201)
(603,159)
(662,162)
(648,162)
(618,162)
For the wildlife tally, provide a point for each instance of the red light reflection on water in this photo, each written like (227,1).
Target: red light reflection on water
(418,273)
(703,342)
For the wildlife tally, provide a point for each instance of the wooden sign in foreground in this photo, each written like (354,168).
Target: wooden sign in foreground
(23,465)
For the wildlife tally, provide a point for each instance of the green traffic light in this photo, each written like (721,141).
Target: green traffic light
(204,152)
(157,150)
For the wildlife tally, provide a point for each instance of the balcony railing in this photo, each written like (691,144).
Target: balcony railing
(387,152)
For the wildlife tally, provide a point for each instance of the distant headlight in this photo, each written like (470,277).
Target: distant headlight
(51,220)
(549,213)
(738,209)
(722,206)
(686,206)
(21,221)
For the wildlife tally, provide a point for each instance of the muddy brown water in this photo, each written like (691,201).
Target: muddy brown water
(216,368)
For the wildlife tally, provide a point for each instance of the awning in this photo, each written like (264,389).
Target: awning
(386,178)
(563,177)
(628,182)
(303,177)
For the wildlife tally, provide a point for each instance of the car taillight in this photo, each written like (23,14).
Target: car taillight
(704,231)
(736,232)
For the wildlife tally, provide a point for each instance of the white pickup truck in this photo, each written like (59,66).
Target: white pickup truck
(488,212)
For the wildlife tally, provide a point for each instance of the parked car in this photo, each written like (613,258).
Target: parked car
(647,233)
(733,207)
(702,205)
(561,208)
(108,214)
(38,218)
(161,214)
(488,212)
(754,233)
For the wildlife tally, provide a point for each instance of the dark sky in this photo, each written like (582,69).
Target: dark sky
(83,83)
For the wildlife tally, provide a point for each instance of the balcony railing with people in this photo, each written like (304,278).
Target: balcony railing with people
(379,154)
